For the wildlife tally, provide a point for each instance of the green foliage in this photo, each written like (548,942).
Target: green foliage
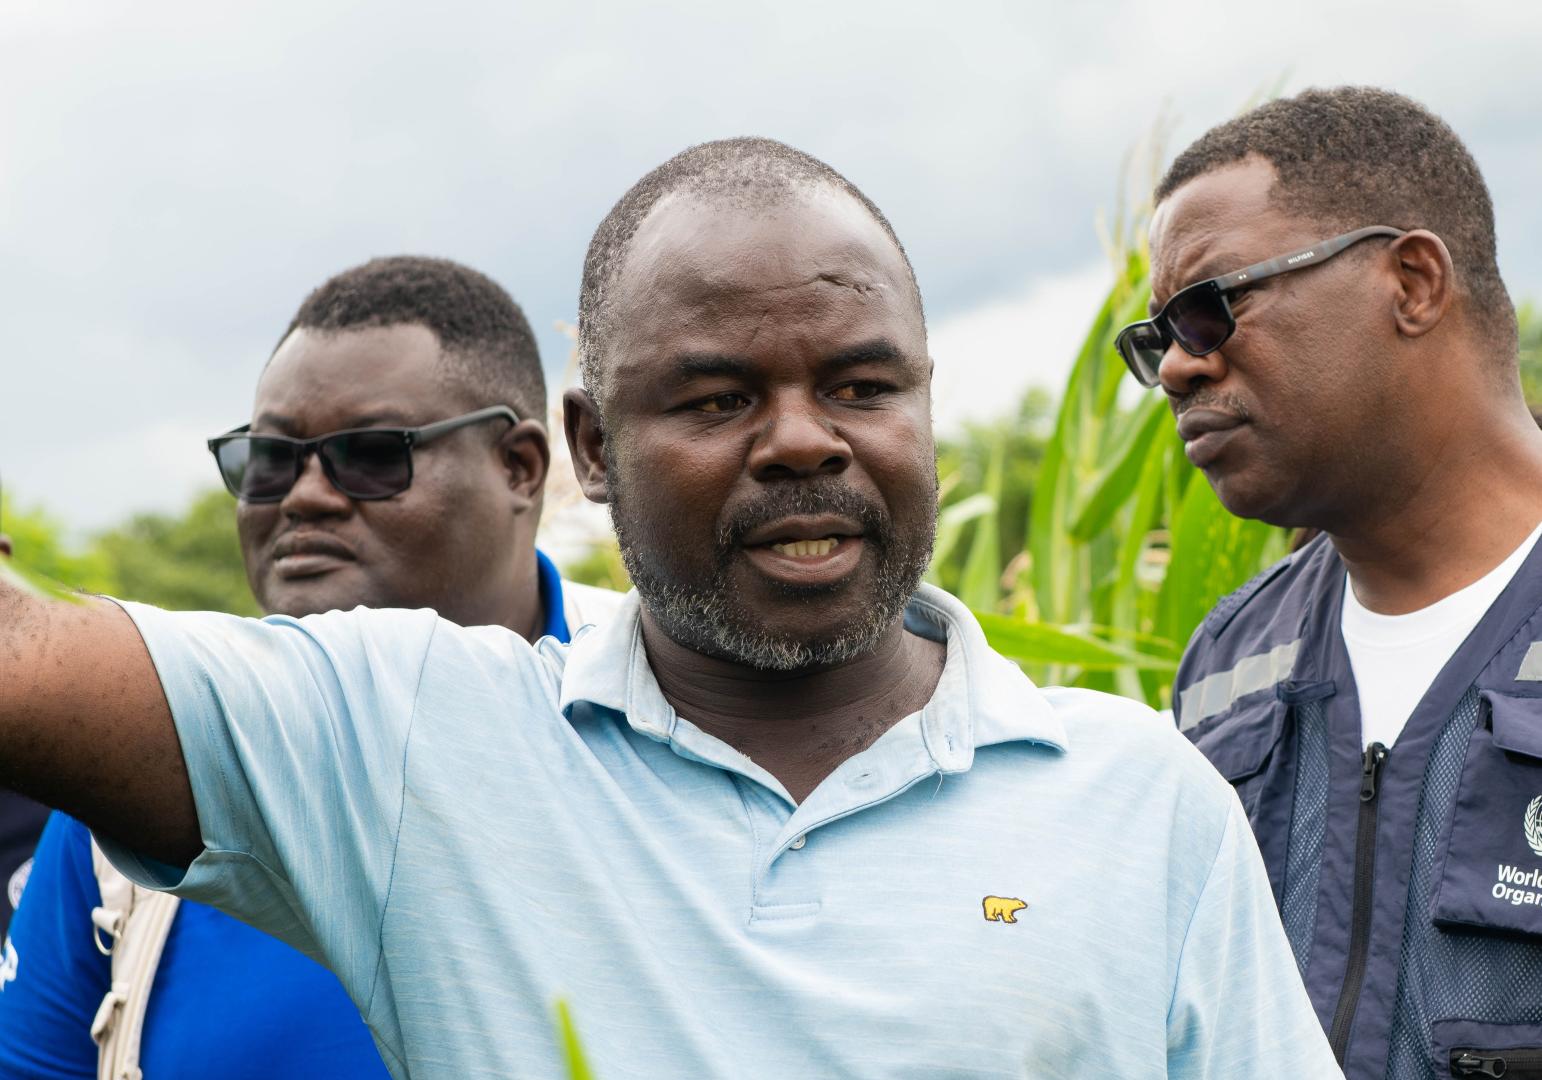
(987,476)
(1039,643)
(572,1050)
(601,566)
(1529,316)
(1127,548)
(41,553)
(190,561)
(187,562)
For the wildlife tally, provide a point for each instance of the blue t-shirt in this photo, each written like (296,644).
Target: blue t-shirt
(228,1001)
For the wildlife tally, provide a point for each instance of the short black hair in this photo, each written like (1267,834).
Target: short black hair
(746,172)
(1352,156)
(488,345)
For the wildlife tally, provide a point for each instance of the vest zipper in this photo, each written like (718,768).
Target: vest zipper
(1360,918)
(1497,1063)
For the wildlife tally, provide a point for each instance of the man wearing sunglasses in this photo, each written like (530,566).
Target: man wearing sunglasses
(786,815)
(375,472)
(1334,337)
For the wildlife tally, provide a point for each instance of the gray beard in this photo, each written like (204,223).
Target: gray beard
(708,619)
(706,616)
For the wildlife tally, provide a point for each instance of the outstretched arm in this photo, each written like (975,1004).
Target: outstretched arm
(84,724)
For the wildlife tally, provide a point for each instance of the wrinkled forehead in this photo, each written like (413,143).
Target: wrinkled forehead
(331,379)
(713,255)
(776,292)
(1219,222)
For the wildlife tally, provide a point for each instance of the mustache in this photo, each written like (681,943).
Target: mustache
(1207,398)
(825,495)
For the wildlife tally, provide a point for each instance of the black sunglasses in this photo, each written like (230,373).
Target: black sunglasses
(1199,317)
(362,463)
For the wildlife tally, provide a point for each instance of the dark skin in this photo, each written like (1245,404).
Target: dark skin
(757,350)
(98,742)
(460,540)
(1360,396)
(97,739)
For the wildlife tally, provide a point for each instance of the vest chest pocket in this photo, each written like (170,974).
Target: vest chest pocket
(1240,744)
(1465,1049)
(1489,868)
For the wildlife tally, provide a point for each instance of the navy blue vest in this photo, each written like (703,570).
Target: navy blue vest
(1409,880)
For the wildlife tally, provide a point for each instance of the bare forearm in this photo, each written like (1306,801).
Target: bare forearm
(84,725)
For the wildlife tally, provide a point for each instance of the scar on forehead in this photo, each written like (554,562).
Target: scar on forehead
(864,289)
(861,287)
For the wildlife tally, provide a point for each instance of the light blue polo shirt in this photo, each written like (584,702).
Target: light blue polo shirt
(1009,883)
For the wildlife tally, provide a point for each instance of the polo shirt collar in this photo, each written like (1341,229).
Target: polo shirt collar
(981,699)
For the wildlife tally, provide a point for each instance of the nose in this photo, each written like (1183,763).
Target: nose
(1180,372)
(798,440)
(313,495)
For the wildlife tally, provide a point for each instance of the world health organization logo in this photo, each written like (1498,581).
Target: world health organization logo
(1534,825)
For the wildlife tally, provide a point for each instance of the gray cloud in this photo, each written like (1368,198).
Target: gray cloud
(176,176)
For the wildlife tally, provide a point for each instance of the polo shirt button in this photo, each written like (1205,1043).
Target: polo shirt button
(797,845)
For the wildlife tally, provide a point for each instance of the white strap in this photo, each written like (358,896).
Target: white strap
(136,923)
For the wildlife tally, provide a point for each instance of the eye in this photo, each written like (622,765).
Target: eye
(857,391)
(721,403)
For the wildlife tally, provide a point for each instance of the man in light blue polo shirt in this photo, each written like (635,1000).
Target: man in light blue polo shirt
(786,816)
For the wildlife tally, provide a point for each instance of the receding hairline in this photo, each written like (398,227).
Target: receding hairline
(746,172)
(875,237)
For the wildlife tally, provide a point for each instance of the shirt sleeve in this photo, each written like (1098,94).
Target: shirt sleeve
(294,733)
(53,977)
(1239,1007)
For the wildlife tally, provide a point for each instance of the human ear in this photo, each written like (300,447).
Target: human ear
(1426,282)
(586,443)
(526,457)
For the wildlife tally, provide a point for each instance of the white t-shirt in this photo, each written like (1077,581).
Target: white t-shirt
(1395,658)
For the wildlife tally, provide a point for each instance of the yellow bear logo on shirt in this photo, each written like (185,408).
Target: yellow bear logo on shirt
(1002,908)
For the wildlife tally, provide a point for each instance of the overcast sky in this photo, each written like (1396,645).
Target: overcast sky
(174,177)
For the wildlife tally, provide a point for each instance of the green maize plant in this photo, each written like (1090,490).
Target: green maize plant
(46,563)
(1126,547)
(1528,317)
(572,1050)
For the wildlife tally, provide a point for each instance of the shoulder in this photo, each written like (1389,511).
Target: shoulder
(1093,710)
(1132,776)
(1261,597)
(1265,613)
(365,660)
(1116,732)
(466,668)
(363,638)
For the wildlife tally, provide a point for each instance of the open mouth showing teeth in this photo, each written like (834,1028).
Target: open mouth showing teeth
(807,548)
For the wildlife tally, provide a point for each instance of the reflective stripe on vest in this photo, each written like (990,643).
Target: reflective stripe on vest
(1214,694)
(1531,664)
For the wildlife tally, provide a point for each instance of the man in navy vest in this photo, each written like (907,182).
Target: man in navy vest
(395,343)
(1333,334)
